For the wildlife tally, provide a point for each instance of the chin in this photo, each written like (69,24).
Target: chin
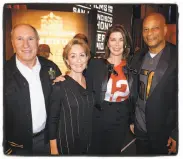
(152,45)
(117,53)
(78,70)
(28,59)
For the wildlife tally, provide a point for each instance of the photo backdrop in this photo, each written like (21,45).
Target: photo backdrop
(54,28)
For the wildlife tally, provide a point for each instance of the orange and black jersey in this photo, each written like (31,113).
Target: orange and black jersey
(117,86)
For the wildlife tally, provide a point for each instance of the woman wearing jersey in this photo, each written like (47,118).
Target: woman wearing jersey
(108,80)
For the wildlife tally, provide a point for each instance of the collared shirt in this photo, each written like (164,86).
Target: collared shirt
(38,108)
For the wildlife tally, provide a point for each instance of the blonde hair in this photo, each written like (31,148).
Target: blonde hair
(75,41)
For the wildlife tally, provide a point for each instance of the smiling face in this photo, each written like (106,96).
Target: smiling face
(77,58)
(154,31)
(115,44)
(25,43)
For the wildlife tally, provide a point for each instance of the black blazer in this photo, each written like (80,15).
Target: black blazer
(161,106)
(17,108)
(70,119)
(97,74)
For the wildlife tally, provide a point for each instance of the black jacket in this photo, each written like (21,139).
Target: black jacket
(97,74)
(17,108)
(162,104)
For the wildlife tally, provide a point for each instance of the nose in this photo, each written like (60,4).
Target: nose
(78,59)
(117,43)
(149,32)
(25,43)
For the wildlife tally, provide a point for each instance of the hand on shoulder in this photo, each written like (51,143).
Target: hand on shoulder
(60,78)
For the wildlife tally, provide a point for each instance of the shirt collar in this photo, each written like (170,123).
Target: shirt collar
(21,66)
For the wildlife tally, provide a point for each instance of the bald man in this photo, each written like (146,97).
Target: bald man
(155,90)
(27,87)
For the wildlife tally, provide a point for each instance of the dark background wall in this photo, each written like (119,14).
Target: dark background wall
(123,15)
(130,15)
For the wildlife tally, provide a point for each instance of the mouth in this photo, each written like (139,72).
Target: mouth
(117,49)
(150,39)
(26,51)
(78,65)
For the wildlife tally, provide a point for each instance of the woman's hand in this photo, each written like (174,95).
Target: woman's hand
(132,128)
(53,147)
(54,151)
(59,78)
(172,145)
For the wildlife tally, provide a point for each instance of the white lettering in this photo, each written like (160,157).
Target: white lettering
(100,46)
(110,8)
(104,18)
(78,10)
(101,7)
(100,37)
(103,25)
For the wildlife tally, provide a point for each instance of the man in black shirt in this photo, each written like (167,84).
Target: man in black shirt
(155,117)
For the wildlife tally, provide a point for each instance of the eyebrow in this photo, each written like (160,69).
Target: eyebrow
(76,53)
(144,27)
(18,36)
(115,37)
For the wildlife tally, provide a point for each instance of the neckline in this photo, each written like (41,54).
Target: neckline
(74,81)
(122,63)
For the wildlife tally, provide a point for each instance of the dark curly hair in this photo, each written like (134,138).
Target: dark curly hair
(127,40)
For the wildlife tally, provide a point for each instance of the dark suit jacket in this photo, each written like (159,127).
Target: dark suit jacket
(161,106)
(98,75)
(17,109)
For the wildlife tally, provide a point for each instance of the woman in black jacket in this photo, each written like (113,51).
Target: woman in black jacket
(71,104)
(109,81)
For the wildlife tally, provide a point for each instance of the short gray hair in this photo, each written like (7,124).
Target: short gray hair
(34,29)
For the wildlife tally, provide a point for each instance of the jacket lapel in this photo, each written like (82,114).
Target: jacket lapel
(161,68)
(106,76)
(137,65)
(45,80)
(43,77)
(100,82)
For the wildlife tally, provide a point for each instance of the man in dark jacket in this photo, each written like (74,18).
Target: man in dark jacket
(155,117)
(27,87)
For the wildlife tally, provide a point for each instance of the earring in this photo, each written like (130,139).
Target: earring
(125,47)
